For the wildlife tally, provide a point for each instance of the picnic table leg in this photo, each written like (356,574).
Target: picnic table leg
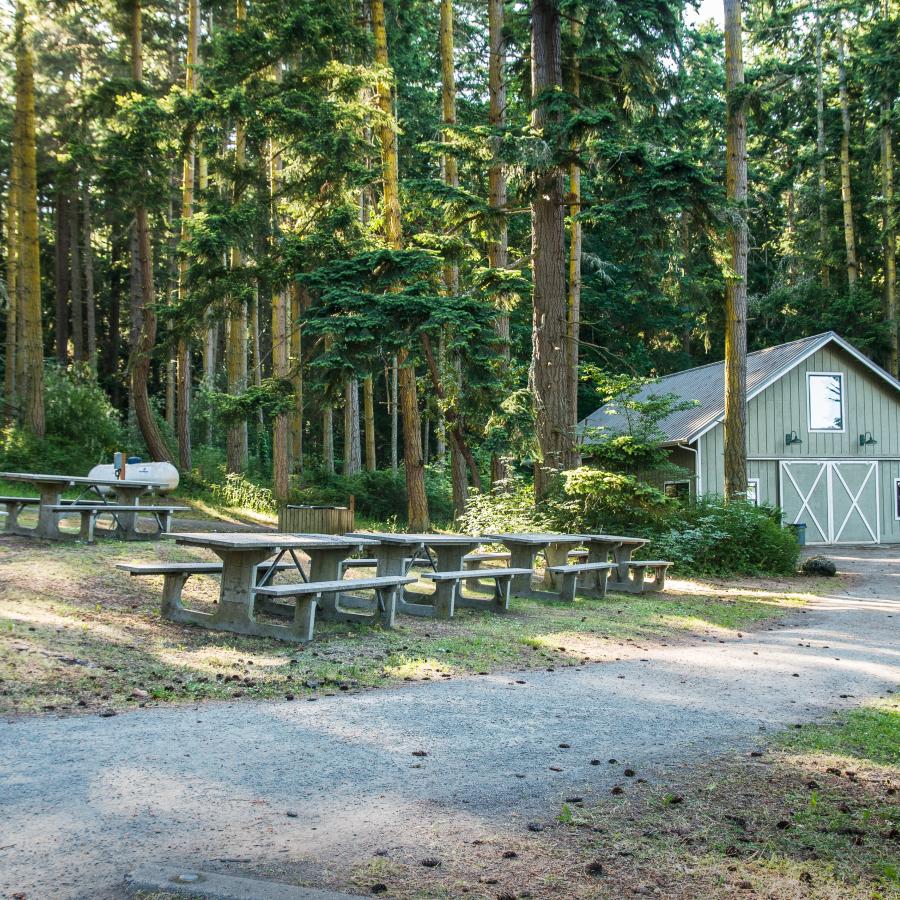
(554,555)
(521,556)
(48,523)
(173,585)
(235,608)
(622,556)
(502,585)
(392,561)
(12,518)
(598,551)
(567,588)
(602,581)
(325,565)
(126,522)
(87,526)
(449,559)
(386,599)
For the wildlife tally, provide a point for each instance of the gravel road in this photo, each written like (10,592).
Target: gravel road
(82,800)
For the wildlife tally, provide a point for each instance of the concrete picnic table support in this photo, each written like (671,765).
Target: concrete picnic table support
(393,550)
(523,548)
(620,547)
(241,553)
(51,488)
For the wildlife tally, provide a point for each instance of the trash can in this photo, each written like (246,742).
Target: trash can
(800,532)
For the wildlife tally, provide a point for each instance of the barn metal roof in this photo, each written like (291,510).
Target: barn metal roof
(706,386)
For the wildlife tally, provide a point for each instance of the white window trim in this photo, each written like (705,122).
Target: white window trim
(756,482)
(686,481)
(843,428)
(897,499)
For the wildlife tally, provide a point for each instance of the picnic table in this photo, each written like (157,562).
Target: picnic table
(603,546)
(51,488)
(523,548)
(242,552)
(396,553)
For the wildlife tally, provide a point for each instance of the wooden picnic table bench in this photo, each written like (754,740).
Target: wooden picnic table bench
(448,593)
(307,595)
(571,573)
(125,516)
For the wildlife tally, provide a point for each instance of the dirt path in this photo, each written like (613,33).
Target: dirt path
(82,800)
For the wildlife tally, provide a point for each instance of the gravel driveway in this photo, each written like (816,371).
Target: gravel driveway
(83,800)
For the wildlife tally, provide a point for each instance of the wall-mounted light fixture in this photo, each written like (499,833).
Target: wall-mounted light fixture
(866,439)
(792,438)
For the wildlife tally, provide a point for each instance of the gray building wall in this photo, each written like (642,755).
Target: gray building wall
(870,405)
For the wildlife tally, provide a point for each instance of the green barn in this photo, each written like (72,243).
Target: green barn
(823,437)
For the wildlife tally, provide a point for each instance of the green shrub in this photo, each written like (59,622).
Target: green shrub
(603,501)
(240,492)
(712,537)
(706,537)
(507,507)
(82,427)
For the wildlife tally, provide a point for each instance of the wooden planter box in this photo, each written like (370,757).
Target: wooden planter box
(316,519)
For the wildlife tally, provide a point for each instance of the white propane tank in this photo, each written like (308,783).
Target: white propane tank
(150,471)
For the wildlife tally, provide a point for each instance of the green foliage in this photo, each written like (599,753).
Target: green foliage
(715,538)
(239,491)
(509,506)
(271,397)
(83,428)
(606,501)
(636,445)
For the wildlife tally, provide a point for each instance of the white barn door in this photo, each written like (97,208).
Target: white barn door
(837,499)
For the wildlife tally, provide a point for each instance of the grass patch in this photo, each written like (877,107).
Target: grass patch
(77,634)
(817,816)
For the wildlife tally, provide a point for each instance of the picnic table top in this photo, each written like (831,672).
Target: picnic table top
(430,540)
(537,538)
(261,540)
(42,478)
(615,538)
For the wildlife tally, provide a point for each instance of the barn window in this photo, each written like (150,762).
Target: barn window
(679,489)
(753,491)
(826,401)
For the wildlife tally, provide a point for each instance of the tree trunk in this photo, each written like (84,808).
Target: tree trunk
(78,352)
(12,265)
(497,248)
(281,436)
(890,234)
(28,282)
(820,154)
(145,312)
(369,419)
(394,402)
(573,309)
(549,374)
(328,438)
(183,353)
(846,193)
(113,341)
(61,276)
(296,368)
(90,300)
(417,503)
(736,282)
(352,448)
(237,451)
(458,477)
